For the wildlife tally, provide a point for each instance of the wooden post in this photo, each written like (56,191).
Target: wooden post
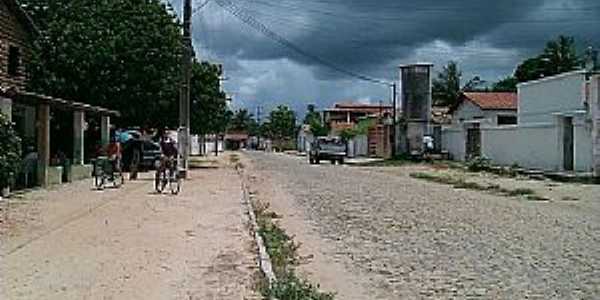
(78,137)
(595,107)
(43,143)
(105,130)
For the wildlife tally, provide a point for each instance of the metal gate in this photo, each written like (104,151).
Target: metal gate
(473,147)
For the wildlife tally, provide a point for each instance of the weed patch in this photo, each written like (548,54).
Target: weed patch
(283,252)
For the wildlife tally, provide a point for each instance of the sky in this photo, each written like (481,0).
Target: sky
(372,38)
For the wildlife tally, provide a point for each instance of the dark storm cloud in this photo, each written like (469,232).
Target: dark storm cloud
(372,37)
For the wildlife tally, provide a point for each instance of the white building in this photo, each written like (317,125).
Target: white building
(558,122)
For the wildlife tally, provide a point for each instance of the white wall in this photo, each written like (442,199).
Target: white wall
(539,99)
(583,146)
(454,141)
(531,147)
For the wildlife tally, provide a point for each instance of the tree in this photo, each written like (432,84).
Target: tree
(282,123)
(209,112)
(10,152)
(447,86)
(242,120)
(313,118)
(508,84)
(124,55)
(558,56)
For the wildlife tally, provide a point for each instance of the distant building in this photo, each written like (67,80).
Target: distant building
(345,115)
(488,108)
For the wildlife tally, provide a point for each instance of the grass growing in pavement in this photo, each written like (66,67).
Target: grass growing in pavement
(284,257)
(460,183)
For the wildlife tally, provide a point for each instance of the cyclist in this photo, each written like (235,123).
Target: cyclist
(113,151)
(168,152)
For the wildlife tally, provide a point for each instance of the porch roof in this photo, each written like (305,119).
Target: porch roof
(34,99)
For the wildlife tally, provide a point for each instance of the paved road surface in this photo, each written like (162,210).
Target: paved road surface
(402,238)
(74,243)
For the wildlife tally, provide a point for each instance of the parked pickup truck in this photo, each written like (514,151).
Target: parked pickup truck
(327,148)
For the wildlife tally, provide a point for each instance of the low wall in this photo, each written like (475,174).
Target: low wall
(531,147)
(80,172)
(55,175)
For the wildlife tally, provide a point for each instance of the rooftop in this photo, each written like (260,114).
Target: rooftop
(488,100)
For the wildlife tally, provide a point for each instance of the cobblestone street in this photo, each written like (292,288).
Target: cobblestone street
(402,238)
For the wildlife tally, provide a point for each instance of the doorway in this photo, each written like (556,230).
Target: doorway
(568,144)
(473,146)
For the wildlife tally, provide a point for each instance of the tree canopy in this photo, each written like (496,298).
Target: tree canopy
(558,56)
(447,86)
(313,118)
(124,55)
(282,123)
(209,111)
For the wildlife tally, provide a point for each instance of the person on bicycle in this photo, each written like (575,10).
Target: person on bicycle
(113,152)
(168,151)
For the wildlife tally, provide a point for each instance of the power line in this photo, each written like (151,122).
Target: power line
(255,24)
(199,7)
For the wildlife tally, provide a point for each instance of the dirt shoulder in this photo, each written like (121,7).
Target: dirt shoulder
(130,243)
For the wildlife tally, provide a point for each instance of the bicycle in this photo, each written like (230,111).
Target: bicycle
(105,171)
(167,173)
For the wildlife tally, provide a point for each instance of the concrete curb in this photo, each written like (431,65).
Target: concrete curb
(264,260)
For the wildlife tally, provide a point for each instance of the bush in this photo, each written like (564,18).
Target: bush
(479,164)
(10,152)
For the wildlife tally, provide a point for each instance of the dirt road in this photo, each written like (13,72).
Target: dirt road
(396,237)
(130,243)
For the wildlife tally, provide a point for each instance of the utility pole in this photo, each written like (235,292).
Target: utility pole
(184,93)
(258,111)
(394,109)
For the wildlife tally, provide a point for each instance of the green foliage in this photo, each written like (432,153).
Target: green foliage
(10,151)
(290,287)
(242,120)
(209,112)
(479,164)
(446,87)
(313,118)
(558,56)
(282,123)
(508,84)
(124,55)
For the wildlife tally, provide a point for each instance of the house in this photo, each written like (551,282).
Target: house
(461,139)
(557,128)
(486,108)
(236,140)
(345,115)
(31,112)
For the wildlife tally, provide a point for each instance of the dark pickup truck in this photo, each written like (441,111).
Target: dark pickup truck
(327,148)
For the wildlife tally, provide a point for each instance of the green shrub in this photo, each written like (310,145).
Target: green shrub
(10,152)
(479,164)
(290,287)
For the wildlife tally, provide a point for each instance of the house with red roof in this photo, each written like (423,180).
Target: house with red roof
(489,108)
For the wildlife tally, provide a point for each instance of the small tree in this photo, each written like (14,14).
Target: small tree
(10,151)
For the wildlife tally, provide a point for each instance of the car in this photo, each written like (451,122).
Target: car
(146,150)
(327,148)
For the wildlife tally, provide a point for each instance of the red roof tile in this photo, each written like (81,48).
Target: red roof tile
(484,100)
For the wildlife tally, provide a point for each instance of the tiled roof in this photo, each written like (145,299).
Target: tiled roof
(507,101)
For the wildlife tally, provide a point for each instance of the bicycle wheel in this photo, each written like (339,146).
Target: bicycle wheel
(174,182)
(99,181)
(158,182)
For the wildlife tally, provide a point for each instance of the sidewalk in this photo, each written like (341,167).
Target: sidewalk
(75,243)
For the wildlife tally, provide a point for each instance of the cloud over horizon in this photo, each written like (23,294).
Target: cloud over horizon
(487,38)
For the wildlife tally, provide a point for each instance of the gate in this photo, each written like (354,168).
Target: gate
(473,147)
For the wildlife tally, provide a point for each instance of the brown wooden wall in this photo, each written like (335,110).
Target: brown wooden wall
(13,33)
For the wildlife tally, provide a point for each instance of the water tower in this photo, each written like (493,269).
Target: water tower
(415,93)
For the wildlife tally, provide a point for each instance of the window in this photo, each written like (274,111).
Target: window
(14,61)
(507,120)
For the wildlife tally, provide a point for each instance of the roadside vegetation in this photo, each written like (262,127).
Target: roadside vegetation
(461,183)
(283,252)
